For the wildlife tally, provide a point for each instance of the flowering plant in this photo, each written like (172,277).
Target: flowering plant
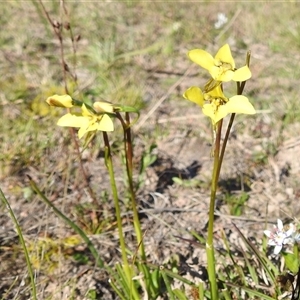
(90,119)
(279,236)
(213,102)
(216,105)
(222,66)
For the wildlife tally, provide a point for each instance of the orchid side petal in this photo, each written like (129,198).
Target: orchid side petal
(105,124)
(242,74)
(240,104)
(195,95)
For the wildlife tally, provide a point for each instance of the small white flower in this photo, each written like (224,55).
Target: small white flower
(221,20)
(279,236)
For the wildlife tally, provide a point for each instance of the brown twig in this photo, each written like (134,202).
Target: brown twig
(58,31)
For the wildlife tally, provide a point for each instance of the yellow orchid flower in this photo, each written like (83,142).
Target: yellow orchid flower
(222,67)
(215,105)
(88,121)
(60,101)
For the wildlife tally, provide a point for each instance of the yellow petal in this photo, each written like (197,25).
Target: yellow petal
(240,104)
(82,131)
(216,116)
(101,106)
(227,76)
(105,124)
(93,124)
(60,101)
(242,74)
(195,95)
(85,111)
(90,125)
(221,113)
(208,111)
(216,92)
(202,58)
(224,55)
(71,120)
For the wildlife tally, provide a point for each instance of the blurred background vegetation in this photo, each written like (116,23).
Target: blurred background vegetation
(132,52)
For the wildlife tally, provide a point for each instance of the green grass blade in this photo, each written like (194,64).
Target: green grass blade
(99,261)
(22,241)
(167,283)
(116,289)
(258,255)
(251,292)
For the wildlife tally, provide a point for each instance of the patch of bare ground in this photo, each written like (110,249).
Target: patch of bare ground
(168,211)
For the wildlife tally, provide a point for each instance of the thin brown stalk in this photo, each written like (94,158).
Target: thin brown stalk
(58,31)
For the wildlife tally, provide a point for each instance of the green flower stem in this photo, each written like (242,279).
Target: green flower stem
(82,169)
(209,243)
(129,155)
(109,165)
(218,160)
(136,220)
(225,143)
(239,91)
(22,241)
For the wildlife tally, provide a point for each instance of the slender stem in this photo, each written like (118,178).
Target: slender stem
(129,169)
(239,91)
(209,243)
(82,169)
(136,220)
(225,143)
(218,159)
(58,31)
(109,165)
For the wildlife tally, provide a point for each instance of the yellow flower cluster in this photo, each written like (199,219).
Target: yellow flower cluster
(90,119)
(213,102)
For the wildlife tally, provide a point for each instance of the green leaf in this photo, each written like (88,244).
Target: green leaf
(180,294)
(291,262)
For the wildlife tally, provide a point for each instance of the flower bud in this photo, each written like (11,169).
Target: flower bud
(60,101)
(102,107)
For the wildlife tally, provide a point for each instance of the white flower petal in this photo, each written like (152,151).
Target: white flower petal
(279,225)
(291,230)
(268,233)
(277,249)
(288,241)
